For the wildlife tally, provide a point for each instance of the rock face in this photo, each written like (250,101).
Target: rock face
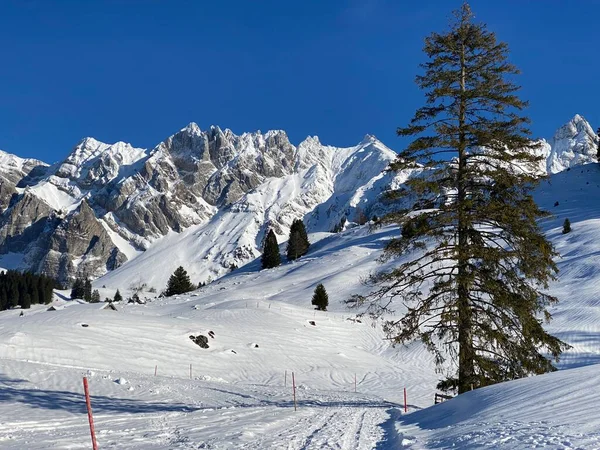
(209,195)
(573,144)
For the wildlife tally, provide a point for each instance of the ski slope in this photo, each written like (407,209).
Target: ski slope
(239,393)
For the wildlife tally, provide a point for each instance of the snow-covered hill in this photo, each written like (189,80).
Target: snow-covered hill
(240,396)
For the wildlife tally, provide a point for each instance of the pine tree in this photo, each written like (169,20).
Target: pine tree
(26,301)
(87,290)
(566,226)
(270,256)
(118,297)
(77,291)
(298,241)
(320,298)
(478,259)
(179,283)
(95,296)
(598,149)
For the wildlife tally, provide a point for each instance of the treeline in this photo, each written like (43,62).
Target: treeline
(24,289)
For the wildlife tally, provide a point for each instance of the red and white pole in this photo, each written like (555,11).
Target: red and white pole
(294,389)
(89,410)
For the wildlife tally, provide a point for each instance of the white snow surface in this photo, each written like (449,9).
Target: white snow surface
(239,395)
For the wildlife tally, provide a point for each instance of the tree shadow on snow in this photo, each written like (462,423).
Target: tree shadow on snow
(74,402)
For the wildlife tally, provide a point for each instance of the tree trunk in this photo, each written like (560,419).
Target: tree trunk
(465,337)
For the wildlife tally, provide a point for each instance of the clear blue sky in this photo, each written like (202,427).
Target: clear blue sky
(138,71)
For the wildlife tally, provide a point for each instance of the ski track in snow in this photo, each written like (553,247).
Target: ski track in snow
(237,397)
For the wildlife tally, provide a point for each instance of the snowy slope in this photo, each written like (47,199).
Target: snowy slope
(555,411)
(239,396)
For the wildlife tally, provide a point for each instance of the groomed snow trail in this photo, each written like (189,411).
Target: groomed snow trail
(167,413)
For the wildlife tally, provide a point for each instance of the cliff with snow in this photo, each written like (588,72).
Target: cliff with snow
(200,198)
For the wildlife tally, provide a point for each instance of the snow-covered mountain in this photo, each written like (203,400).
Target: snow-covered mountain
(153,388)
(204,199)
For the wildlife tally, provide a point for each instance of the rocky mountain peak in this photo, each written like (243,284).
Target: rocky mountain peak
(573,144)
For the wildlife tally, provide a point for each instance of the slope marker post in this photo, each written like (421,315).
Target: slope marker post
(285,379)
(294,390)
(89,411)
(155,369)
(405,404)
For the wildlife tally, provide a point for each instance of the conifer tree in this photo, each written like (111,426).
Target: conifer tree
(87,290)
(118,297)
(478,260)
(179,283)
(598,149)
(77,291)
(95,296)
(566,226)
(320,298)
(298,241)
(270,256)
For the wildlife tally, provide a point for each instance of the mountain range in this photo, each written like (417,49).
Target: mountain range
(202,199)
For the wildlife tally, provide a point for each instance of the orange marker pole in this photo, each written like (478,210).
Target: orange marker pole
(89,410)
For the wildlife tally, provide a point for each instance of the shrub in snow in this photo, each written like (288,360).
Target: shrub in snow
(566,226)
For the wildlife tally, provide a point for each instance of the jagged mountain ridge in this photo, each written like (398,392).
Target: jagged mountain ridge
(105,203)
(208,195)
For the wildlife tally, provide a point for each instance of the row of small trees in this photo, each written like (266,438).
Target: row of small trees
(82,288)
(298,245)
(24,289)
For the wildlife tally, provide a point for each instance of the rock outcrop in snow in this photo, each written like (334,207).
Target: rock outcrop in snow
(105,204)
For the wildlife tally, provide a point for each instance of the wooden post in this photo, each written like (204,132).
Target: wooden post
(405,405)
(155,369)
(294,389)
(89,411)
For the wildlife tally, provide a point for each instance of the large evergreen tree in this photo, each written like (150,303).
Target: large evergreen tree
(270,256)
(478,264)
(179,283)
(598,148)
(298,241)
(320,298)
(118,297)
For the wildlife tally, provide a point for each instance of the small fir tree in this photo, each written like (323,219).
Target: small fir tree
(179,283)
(320,298)
(118,297)
(270,256)
(77,291)
(87,290)
(95,296)
(298,242)
(566,226)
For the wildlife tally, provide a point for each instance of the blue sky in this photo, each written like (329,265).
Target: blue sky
(138,71)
